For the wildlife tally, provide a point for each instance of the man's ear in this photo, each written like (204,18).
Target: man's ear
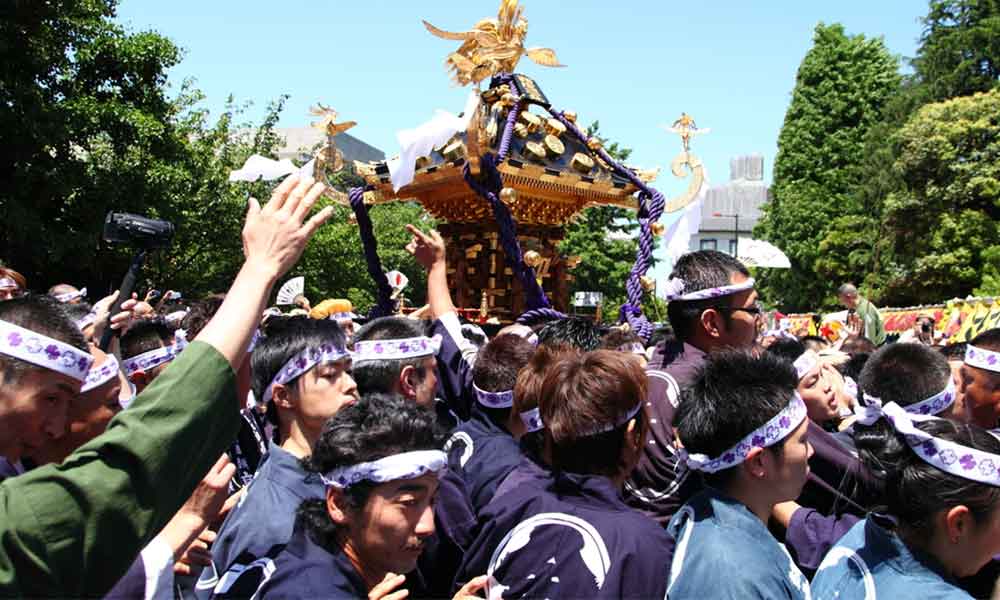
(957,521)
(712,322)
(140,379)
(282,395)
(757,465)
(408,382)
(336,503)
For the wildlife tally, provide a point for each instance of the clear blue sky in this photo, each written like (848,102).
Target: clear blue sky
(633,65)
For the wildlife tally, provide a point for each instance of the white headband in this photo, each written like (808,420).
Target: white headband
(936,404)
(176,317)
(532,419)
(43,351)
(955,459)
(98,376)
(632,412)
(158,356)
(983,359)
(342,316)
(768,434)
(675,290)
(851,388)
(302,362)
(7,282)
(70,296)
(494,399)
(86,320)
(407,465)
(397,349)
(806,362)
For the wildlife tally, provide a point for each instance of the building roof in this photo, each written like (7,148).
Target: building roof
(743,194)
(300,142)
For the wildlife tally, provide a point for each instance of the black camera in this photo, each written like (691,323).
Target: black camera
(136,231)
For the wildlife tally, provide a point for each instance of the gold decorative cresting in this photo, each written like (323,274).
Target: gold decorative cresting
(686,164)
(492,46)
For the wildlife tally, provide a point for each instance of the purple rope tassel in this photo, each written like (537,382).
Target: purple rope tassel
(530,317)
(384,305)
(651,205)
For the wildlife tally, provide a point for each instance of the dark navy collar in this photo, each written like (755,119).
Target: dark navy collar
(342,574)
(284,469)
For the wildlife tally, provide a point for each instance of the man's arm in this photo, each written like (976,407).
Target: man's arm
(73,529)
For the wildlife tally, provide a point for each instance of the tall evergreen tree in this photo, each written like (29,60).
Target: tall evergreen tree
(841,88)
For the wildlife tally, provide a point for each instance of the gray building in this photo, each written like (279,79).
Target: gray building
(737,202)
(301,142)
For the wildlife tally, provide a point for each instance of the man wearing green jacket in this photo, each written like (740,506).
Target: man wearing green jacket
(871,320)
(73,529)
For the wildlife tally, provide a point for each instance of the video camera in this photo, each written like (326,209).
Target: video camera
(136,231)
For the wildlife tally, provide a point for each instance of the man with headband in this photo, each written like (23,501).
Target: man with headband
(147,349)
(379,462)
(67,294)
(72,530)
(301,373)
(712,305)
(744,427)
(12,283)
(980,379)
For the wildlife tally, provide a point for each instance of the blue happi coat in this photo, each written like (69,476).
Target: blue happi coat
(482,453)
(264,517)
(559,535)
(725,551)
(300,569)
(872,562)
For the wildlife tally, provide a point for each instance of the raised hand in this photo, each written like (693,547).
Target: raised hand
(427,248)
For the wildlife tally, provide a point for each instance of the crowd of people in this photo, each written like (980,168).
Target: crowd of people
(219,448)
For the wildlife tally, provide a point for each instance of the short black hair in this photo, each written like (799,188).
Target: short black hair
(380,376)
(913,490)
(814,342)
(379,425)
(616,337)
(904,374)
(200,313)
(987,340)
(858,343)
(146,335)
(954,351)
(283,338)
(787,349)
(78,310)
(44,315)
(576,332)
(734,393)
(854,365)
(701,270)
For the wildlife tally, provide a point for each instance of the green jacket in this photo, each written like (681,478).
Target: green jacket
(874,327)
(73,529)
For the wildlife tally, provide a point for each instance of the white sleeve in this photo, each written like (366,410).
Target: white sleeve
(454,329)
(158,562)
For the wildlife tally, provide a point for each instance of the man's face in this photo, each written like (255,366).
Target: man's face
(980,390)
(817,392)
(792,463)
(33,411)
(849,300)
(324,390)
(88,417)
(390,532)
(9,293)
(426,390)
(743,326)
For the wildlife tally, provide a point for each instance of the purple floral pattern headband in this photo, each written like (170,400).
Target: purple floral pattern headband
(400,349)
(983,359)
(532,420)
(302,363)
(675,290)
(407,465)
(98,376)
(775,430)
(936,404)
(494,399)
(806,362)
(156,357)
(633,348)
(954,459)
(70,296)
(7,283)
(43,351)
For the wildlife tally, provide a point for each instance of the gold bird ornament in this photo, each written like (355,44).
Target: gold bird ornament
(492,46)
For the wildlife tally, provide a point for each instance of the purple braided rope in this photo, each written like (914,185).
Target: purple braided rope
(488,187)
(384,305)
(651,205)
(540,314)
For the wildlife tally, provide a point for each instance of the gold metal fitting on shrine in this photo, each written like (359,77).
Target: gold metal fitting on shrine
(530,120)
(648,283)
(535,150)
(554,127)
(454,151)
(570,115)
(521,130)
(422,162)
(582,163)
(595,144)
(508,196)
(657,228)
(553,146)
(507,99)
(532,259)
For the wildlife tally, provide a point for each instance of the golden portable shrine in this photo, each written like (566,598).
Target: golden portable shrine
(505,186)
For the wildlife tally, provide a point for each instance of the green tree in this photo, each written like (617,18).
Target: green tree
(943,222)
(841,88)
(604,237)
(75,86)
(959,52)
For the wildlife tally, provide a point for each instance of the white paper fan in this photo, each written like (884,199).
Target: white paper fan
(397,280)
(292,288)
